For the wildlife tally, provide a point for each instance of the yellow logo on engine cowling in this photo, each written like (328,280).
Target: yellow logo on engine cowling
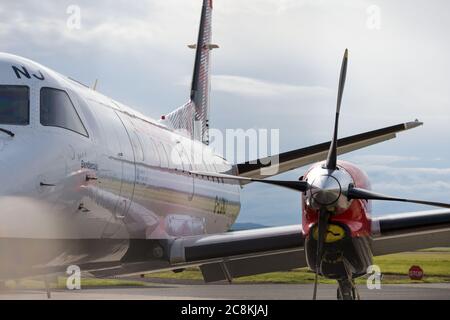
(334,233)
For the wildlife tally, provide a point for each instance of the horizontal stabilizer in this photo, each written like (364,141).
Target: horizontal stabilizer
(208,46)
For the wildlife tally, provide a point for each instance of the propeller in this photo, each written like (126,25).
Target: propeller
(331,164)
(358,193)
(300,186)
(332,153)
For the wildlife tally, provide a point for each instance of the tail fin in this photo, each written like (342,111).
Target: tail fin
(201,77)
(194,115)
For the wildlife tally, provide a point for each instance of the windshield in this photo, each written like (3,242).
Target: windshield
(14,105)
(57,110)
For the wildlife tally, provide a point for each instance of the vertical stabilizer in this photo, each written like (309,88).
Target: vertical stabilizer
(201,78)
(193,117)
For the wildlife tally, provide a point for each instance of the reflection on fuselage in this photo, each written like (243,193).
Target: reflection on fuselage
(129,178)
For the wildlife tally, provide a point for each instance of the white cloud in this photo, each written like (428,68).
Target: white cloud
(258,88)
(378,159)
(420,183)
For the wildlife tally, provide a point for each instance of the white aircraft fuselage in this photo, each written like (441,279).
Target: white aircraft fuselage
(123,177)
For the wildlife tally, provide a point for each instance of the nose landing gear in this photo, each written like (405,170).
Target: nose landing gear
(347,290)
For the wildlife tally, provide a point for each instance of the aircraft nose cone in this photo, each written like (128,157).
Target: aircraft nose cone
(326,190)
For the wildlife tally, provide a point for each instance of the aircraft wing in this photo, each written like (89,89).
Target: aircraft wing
(267,167)
(411,231)
(248,252)
(242,253)
(225,255)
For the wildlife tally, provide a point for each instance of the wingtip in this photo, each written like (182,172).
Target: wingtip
(413,124)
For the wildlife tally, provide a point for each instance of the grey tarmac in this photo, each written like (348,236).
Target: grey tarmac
(439,291)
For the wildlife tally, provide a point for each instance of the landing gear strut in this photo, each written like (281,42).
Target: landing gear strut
(347,290)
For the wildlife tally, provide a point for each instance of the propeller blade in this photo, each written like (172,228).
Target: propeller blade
(358,193)
(322,227)
(300,186)
(332,153)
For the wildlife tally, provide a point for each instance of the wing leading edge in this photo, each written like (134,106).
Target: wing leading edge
(276,164)
(411,231)
(242,253)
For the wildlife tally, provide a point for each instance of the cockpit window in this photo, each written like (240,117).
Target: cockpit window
(57,110)
(14,105)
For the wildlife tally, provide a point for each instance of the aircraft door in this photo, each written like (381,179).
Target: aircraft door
(116,165)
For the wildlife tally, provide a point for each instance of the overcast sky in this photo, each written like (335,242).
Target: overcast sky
(277,68)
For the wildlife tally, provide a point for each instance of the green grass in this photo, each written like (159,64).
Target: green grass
(435,263)
(435,250)
(38,284)
(187,274)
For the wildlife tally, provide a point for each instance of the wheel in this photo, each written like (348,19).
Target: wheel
(346,290)
(339,295)
(355,292)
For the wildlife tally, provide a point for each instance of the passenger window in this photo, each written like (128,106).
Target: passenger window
(57,110)
(14,105)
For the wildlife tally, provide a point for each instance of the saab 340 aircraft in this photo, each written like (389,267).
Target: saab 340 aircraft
(88,181)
